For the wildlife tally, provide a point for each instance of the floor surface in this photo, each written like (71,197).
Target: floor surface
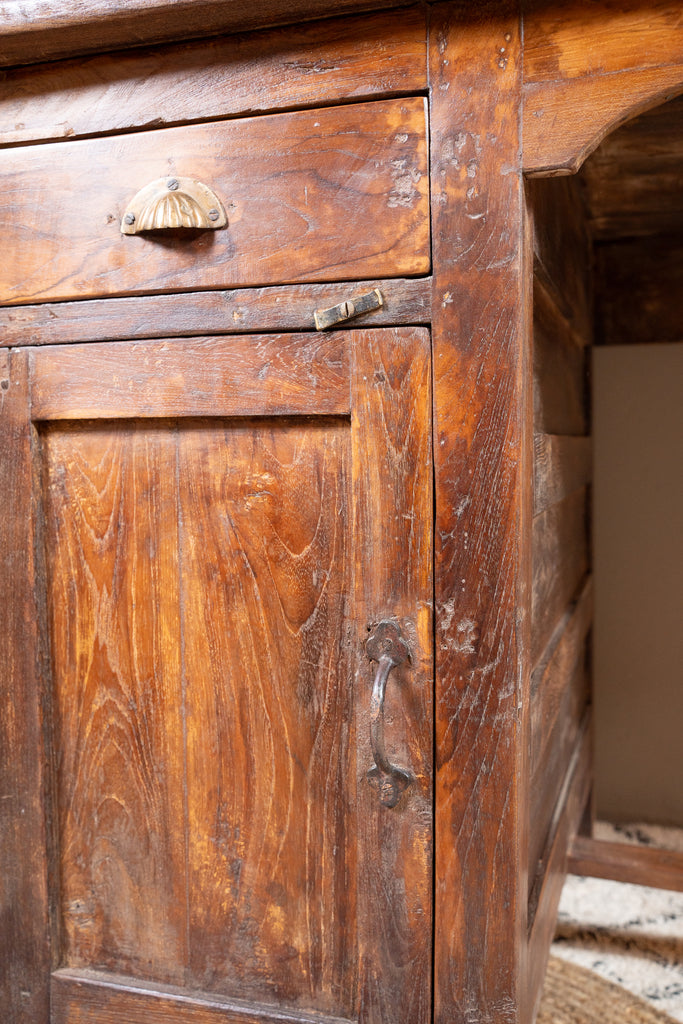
(630,934)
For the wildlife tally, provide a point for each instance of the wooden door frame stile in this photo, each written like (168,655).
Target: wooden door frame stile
(23,774)
(481,439)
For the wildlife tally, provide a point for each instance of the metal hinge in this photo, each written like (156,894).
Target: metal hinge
(325,318)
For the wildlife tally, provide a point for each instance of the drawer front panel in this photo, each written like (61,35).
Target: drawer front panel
(315,195)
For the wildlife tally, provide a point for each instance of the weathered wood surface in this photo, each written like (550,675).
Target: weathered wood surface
(482,455)
(393,548)
(41,30)
(560,371)
(559,563)
(622,862)
(209,598)
(545,894)
(561,466)
(588,68)
(25,946)
(78,996)
(552,747)
(552,678)
(265,552)
(252,375)
(562,248)
(293,184)
(305,65)
(546,783)
(118,693)
(633,183)
(639,284)
(285,308)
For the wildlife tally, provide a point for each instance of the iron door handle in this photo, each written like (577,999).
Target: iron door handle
(386,646)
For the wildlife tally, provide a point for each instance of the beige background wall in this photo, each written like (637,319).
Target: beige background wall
(638,554)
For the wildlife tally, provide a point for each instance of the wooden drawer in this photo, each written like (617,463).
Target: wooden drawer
(316,195)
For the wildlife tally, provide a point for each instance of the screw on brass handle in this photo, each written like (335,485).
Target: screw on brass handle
(386,646)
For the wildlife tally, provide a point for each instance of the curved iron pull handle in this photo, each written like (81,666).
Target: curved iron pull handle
(386,646)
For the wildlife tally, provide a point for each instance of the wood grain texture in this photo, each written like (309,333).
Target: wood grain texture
(41,30)
(562,248)
(292,184)
(304,65)
(92,997)
(265,551)
(545,894)
(622,862)
(287,308)
(561,466)
(588,68)
(560,561)
(624,34)
(560,687)
(251,375)
(639,284)
(553,676)
(111,538)
(633,182)
(560,371)
(392,522)
(483,509)
(25,935)
(209,598)
(551,762)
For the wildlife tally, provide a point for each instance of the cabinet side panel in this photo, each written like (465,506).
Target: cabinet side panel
(112,555)
(561,556)
(271,816)
(560,563)
(560,367)
(562,248)
(24,931)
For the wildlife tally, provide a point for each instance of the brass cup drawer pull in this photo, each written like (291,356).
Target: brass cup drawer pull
(386,646)
(169,203)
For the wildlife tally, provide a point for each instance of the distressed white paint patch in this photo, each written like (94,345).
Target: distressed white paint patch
(405,178)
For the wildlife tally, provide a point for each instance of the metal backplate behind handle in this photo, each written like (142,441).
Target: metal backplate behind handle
(386,646)
(326,318)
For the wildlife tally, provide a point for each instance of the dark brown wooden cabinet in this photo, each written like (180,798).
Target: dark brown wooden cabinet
(211,510)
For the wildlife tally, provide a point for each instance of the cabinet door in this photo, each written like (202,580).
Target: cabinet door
(224,523)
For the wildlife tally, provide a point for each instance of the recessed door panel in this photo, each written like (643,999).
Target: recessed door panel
(111,537)
(265,574)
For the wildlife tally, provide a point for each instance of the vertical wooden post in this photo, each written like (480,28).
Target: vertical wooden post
(24,929)
(483,511)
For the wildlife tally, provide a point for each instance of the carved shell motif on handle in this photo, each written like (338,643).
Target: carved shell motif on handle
(169,203)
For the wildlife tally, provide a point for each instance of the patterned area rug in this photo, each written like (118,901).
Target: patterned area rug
(630,935)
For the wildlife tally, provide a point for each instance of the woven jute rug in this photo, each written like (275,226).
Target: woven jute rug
(631,935)
(574,995)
